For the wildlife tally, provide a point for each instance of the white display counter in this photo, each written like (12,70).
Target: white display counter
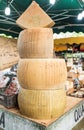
(11,119)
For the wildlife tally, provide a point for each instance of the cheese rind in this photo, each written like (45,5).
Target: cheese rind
(42,104)
(36,43)
(42,73)
(34,16)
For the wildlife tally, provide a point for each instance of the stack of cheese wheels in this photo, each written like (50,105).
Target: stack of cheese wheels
(42,77)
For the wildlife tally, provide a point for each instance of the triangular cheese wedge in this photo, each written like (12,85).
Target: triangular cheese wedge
(34,16)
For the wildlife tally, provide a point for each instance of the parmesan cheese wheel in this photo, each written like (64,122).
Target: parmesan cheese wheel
(42,104)
(34,16)
(42,73)
(36,43)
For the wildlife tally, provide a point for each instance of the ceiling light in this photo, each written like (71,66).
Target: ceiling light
(82,13)
(80,16)
(7,10)
(52,2)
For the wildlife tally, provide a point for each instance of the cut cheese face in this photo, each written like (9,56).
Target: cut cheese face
(34,16)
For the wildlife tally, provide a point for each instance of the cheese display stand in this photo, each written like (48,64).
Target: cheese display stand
(43,103)
(74,113)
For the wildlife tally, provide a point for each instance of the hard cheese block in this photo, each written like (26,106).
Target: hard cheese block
(34,16)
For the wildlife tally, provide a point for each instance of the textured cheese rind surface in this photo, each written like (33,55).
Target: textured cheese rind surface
(42,73)
(34,16)
(36,43)
(42,104)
